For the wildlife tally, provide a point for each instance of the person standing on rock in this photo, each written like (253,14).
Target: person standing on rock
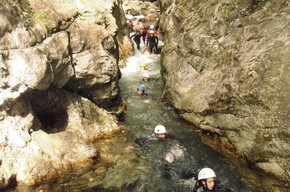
(152,42)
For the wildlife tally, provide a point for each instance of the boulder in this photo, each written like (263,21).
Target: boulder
(58,69)
(226,70)
(42,138)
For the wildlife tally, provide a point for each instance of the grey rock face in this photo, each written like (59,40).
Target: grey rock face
(226,70)
(58,65)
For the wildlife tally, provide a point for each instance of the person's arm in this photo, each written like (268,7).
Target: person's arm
(147,34)
(147,42)
(156,32)
(133,35)
(156,40)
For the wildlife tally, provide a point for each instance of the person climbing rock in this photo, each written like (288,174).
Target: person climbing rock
(152,28)
(140,90)
(152,42)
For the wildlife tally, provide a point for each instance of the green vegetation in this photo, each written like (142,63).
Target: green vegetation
(27,23)
(40,16)
(228,9)
(25,6)
(237,38)
(43,19)
(230,6)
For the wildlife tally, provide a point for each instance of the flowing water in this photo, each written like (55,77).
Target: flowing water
(117,169)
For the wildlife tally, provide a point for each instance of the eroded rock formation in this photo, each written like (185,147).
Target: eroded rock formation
(226,70)
(59,64)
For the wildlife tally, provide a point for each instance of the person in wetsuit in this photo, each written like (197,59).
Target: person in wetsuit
(140,90)
(152,42)
(164,147)
(146,76)
(137,37)
(204,181)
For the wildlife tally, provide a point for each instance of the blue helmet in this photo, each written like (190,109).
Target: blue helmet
(141,87)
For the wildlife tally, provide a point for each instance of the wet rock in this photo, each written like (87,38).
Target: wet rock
(226,70)
(51,135)
(58,61)
(147,8)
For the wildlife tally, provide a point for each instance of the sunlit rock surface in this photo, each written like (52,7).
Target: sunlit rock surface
(149,9)
(58,65)
(226,70)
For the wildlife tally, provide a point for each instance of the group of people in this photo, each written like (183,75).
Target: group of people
(146,78)
(205,180)
(148,36)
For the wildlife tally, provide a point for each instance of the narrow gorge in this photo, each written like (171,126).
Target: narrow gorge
(68,107)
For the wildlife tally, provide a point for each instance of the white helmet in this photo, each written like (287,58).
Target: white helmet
(159,129)
(146,74)
(151,31)
(152,27)
(206,173)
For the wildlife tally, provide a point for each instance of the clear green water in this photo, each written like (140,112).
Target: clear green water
(116,169)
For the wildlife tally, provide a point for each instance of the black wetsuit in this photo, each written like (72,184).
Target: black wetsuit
(152,42)
(217,188)
(136,37)
(144,35)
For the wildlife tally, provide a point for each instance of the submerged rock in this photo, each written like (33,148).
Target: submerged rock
(58,65)
(226,70)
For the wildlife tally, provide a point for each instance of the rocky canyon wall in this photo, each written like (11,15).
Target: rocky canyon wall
(226,66)
(59,68)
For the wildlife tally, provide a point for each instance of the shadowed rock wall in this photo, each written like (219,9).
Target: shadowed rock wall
(58,65)
(226,70)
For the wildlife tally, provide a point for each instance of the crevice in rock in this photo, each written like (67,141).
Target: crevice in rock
(51,111)
(70,53)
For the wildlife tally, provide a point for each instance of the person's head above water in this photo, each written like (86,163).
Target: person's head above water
(160,131)
(143,66)
(146,76)
(207,178)
(140,90)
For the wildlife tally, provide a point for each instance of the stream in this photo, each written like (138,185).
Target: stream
(117,169)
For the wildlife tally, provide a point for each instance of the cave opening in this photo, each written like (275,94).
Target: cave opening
(50,109)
